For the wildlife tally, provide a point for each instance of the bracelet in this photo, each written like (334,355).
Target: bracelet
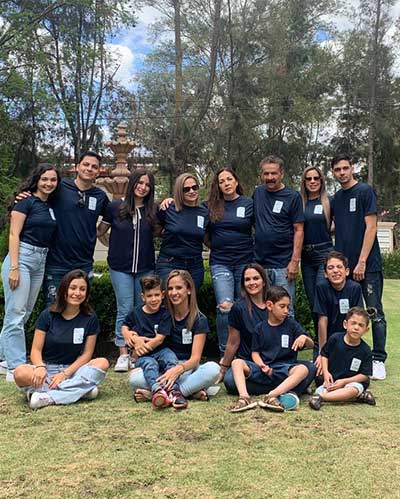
(183,367)
(65,374)
(224,365)
(40,365)
(13,268)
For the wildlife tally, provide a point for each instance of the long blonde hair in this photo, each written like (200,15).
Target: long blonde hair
(322,193)
(178,189)
(193,307)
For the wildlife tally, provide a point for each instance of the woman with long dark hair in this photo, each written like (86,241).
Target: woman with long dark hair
(62,369)
(231,243)
(131,249)
(32,226)
(317,237)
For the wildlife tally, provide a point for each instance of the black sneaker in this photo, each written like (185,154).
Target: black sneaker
(315,402)
(178,401)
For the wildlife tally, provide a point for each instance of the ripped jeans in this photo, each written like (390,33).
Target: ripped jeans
(226,281)
(372,288)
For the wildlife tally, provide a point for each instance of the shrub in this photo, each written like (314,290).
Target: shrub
(391,265)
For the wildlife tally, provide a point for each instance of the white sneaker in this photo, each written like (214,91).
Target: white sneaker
(92,394)
(3,367)
(39,400)
(122,364)
(378,370)
(10,376)
(213,390)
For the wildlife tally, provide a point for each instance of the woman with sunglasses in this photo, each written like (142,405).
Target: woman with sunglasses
(184,224)
(317,236)
(32,227)
(231,243)
(131,249)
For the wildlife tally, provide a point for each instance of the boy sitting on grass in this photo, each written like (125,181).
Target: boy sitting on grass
(275,344)
(333,299)
(346,364)
(140,331)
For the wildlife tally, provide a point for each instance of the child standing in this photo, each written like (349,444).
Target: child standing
(275,344)
(140,331)
(346,364)
(333,299)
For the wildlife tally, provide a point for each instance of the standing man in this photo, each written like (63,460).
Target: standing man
(279,224)
(355,214)
(77,206)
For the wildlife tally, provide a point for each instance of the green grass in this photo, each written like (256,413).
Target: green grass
(114,448)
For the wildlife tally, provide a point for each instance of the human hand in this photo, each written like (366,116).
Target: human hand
(165,203)
(292,270)
(328,380)
(13,279)
(169,377)
(222,371)
(359,271)
(22,195)
(56,379)
(318,365)
(299,342)
(335,385)
(130,338)
(140,345)
(38,376)
(266,369)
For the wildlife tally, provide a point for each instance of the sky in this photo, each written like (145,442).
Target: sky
(132,46)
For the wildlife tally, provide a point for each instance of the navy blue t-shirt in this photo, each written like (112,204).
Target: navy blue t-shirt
(274,343)
(350,207)
(131,246)
(183,232)
(75,238)
(316,230)
(65,339)
(179,338)
(40,222)
(346,361)
(145,324)
(335,304)
(275,213)
(231,237)
(243,321)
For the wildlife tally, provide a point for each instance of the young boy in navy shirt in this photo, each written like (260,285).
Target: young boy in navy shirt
(346,364)
(140,331)
(334,297)
(275,344)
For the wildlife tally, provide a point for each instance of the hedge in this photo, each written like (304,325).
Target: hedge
(103,301)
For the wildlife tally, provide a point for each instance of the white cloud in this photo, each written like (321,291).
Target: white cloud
(124,58)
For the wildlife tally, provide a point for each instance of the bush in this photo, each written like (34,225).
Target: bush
(391,265)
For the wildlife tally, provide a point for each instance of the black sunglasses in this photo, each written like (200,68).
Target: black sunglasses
(189,188)
(82,199)
(312,178)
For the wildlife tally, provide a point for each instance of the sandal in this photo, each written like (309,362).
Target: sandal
(201,395)
(243,404)
(142,395)
(366,398)
(271,403)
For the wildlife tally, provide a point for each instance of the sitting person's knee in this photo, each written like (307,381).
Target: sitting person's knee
(22,374)
(101,363)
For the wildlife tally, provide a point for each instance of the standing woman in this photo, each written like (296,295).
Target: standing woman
(62,371)
(131,249)
(317,236)
(186,330)
(231,243)
(184,223)
(32,227)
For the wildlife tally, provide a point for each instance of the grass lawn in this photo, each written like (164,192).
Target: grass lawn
(112,447)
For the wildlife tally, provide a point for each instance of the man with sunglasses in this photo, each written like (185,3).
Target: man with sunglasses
(279,221)
(355,214)
(77,206)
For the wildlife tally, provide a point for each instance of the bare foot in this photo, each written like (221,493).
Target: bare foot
(142,395)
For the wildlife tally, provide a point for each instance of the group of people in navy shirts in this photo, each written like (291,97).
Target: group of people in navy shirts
(256,245)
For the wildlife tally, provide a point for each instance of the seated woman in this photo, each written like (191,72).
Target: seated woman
(243,319)
(62,371)
(186,329)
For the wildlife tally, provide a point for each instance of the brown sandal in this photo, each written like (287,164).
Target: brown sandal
(366,398)
(243,404)
(271,403)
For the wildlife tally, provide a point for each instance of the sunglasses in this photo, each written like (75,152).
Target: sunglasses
(312,178)
(82,199)
(189,188)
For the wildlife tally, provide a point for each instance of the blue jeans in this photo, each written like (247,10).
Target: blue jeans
(19,302)
(52,279)
(372,288)
(189,382)
(259,389)
(194,266)
(277,277)
(312,271)
(127,291)
(157,363)
(73,388)
(226,281)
